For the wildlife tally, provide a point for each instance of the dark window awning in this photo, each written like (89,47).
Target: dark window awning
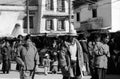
(55,16)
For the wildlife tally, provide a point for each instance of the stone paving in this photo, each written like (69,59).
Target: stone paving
(40,75)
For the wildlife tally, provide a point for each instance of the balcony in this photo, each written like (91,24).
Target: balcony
(77,3)
(92,23)
(52,14)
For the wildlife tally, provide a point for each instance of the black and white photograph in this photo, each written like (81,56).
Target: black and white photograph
(59,39)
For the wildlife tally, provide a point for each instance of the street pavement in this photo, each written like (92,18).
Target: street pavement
(40,74)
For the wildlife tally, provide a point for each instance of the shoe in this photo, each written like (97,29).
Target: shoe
(7,72)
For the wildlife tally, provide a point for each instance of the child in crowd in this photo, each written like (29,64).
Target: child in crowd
(54,63)
(46,64)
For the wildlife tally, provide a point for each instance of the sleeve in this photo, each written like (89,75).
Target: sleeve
(2,51)
(18,57)
(18,52)
(98,49)
(84,47)
(106,51)
(10,53)
(43,62)
(90,48)
(36,57)
(67,60)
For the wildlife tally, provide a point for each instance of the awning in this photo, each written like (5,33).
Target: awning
(107,28)
(56,15)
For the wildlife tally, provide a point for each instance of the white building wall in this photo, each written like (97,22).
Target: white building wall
(115,16)
(85,14)
(8,19)
(66,7)
(40,13)
(55,5)
(36,23)
(55,24)
(44,12)
(42,26)
(67,25)
(103,10)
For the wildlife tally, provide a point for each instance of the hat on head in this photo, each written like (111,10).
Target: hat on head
(73,33)
(46,54)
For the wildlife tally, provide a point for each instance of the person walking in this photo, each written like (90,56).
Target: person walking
(64,61)
(84,43)
(28,58)
(46,63)
(64,57)
(93,39)
(17,47)
(6,56)
(76,57)
(101,57)
(54,62)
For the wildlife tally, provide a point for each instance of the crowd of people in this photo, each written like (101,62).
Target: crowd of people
(86,54)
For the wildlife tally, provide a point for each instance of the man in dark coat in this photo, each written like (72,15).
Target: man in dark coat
(18,46)
(84,44)
(64,58)
(6,57)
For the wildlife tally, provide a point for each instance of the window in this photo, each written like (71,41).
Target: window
(49,5)
(72,17)
(94,12)
(49,24)
(78,16)
(30,21)
(61,24)
(61,5)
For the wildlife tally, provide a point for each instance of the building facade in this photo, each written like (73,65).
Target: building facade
(54,16)
(45,16)
(33,17)
(99,15)
(11,13)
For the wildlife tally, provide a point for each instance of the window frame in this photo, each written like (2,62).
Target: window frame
(51,24)
(49,5)
(78,16)
(31,22)
(62,27)
(61,5)
(94,13)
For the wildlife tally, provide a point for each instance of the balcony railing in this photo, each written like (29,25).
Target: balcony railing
(77,3)
(92,23)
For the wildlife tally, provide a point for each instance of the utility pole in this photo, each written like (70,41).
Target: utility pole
(70,3)
(28,19)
